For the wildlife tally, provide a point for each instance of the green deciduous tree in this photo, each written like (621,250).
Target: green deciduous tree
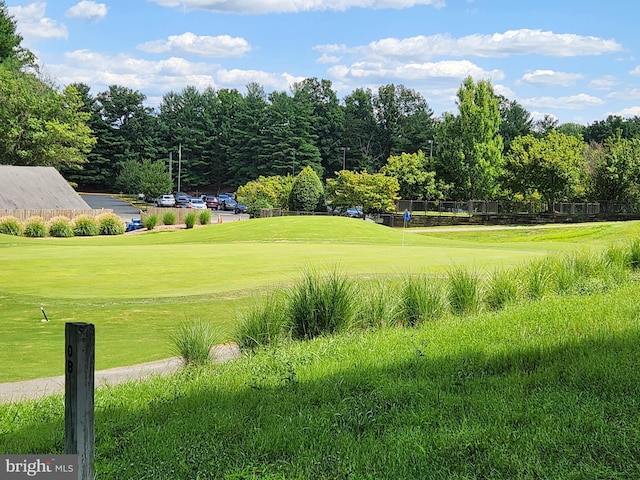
(147,177)
(553,166)
(615,166)
(375,193)
(411,170)
(469,144)
(272,192)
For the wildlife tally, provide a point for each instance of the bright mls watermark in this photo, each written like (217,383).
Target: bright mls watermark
(51,467)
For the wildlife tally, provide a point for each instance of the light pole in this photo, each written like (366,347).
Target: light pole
(344,157)
(430,150)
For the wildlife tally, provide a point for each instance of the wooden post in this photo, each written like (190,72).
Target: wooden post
(79,425)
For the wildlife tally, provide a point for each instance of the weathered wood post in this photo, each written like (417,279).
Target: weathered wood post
(79,425)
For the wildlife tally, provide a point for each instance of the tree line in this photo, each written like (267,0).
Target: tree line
(222,139)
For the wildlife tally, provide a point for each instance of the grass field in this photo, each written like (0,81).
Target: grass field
(135,288)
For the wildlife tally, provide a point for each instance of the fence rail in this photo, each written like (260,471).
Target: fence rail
(500,207)
(48,214)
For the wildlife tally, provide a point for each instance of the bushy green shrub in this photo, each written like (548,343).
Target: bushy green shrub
(204,217)
(169,218)
(192,341)
(111,224)
(85,226)
(321,304)
(35,227)
(10,225)
(150,221)
(253,209)
(307,193)
(60,227)
(190,219)
(264,324)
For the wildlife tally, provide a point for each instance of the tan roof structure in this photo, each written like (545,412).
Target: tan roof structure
(37,188)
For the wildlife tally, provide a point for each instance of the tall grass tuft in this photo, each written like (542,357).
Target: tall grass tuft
(169,218)
(150,221)
(321,304)
(503,288)
(192,341)
(204,217)
(616,264)
(634,254)
(60,227)
(190,219)
(537,278)
(464,291)
(10,225)
(110,224)
(377,302)
(35,227)
(264,324)
(421,299)
(85,226)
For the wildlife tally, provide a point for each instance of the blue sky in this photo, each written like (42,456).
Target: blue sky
(575,60)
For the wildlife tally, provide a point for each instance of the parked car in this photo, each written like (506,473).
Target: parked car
(354,212)
(182,200)
(197,203)
(240,208)
(166,201)
(226,202)
(212,201)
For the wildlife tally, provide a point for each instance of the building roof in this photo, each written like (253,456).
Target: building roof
(37,188)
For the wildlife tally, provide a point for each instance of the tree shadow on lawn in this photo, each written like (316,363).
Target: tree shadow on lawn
(569,410)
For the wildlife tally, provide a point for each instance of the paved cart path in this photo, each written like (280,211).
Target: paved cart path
(42,387)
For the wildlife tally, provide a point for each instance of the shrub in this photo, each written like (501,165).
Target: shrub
(204,217)
(307,193)
(464,291)
(60,227)
(421,299)
(321,304)
(190,219)
(253,209)
(11,226)
(110,224)
(169,218)
(192,341)
(537,277)
(35,227)
(150,221)
(85,226)
(265,324)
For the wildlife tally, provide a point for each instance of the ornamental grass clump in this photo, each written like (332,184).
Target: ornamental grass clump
(321,304)
(35,227)
(377,304)
(110,224)
(464,291)
(537,278)
(421,299)
(192,341)
(85,226)
(169,218)
(502,289)
(150,221)
(264,324)
(190,220)
(204,217)
(60,227)
(634,254)
(11,226)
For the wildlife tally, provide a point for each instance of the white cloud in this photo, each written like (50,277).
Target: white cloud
(88,10)
(572,102)
(32,23)
(289,6)
(625,94)
(606,82)
(204,46)
(328,59)
(635,71)
(271,81)
(512,42)
(627,112)
(550,77)
(415,71)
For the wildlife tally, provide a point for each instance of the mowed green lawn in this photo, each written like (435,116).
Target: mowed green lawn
(135,288)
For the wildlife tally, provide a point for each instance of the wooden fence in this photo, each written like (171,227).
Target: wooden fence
(48,214)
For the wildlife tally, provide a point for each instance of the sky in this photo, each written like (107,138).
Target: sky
(576,60)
